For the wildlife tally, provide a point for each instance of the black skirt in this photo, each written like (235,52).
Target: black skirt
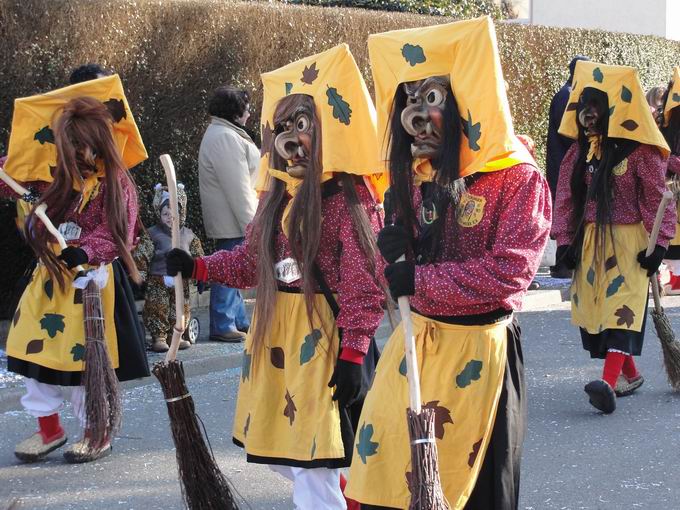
(130,335)
(629,342)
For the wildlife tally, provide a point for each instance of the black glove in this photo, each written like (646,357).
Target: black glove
(566,254)
(652,263)
(401,278)
(73,256)
(392,242)
(347,381)
(177,261)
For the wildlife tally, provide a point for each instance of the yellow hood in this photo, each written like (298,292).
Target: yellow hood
(344,107)
(467,52)
(673,100)
(629,115)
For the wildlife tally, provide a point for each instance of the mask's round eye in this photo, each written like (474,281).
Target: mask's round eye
(302,123)
(434,97)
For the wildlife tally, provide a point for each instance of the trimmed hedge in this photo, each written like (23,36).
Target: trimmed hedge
(455,8)
(172,53)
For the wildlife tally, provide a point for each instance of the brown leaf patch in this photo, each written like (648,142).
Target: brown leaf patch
(309,74)
(290,409)
(475,451)
(610,263)
(626,316)
(35,346)
(278,357)
(442,415)
(629,124)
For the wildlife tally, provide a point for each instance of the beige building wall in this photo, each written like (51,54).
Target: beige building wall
(646,17)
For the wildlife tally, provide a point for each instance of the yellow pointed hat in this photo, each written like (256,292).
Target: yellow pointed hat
(629,115)
(467,52)
(673,100)
(343,104)
(31,150)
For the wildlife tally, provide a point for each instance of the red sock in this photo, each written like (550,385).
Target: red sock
(613,365)
(50,428)
(351,504)
(629,368)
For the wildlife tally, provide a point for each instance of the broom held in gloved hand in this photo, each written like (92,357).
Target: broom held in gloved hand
(412,375)
(665,200)
(178,329)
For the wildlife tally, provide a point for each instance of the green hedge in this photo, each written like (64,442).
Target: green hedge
(172,53)
(455,8)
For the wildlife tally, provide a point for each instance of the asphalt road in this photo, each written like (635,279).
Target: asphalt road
(574,457)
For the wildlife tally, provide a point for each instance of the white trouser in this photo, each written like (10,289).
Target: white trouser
(43,399)
(315,488)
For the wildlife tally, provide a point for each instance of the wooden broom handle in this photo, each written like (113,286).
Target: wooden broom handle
(40,211)
(178,329)
(412,375)
(665,200)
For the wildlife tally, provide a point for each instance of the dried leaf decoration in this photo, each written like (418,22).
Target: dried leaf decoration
(471,372)
(290,409)
(366,447)
(597,75)
(116,108)
(267,139)
(413,54)
(341,108)
(614,286)
(309,74)
(52,323)
(17,314)
(45,135)
(473,454)
(49,288)
(278,357)
(626,316)
(245,365)
(34,346)
(472,131)
(630,125)
(308,347)
(78,352)
(626,94)
(442,415)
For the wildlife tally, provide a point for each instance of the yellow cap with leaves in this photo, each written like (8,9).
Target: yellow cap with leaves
(673,100)
(343,106)
(466,52)
(32,152)
(629,115)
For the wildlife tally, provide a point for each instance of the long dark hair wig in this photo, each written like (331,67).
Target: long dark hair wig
(84,139)
(672,132)
(304,221)
(447,165)
(601,189)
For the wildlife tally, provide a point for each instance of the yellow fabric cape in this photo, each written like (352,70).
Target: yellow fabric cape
(673,100)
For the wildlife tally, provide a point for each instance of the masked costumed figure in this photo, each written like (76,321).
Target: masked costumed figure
(665,106)
(310,252)
(472,217)
(73,147)
(610,187)
(159,296)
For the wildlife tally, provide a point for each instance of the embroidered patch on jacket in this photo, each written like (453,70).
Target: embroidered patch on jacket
(470,210)
(621,168)
(287,270)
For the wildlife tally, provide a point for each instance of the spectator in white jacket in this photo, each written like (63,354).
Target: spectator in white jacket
(227,162)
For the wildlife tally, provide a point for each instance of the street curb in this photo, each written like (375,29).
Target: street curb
(535,299)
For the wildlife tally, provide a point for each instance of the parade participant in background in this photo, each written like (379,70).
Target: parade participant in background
(610,187)
(472,217)
(310,252)
(87,72)
(74,151)
(159,295)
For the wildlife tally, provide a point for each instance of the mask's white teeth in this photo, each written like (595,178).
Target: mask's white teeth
(428,128)
(300,151)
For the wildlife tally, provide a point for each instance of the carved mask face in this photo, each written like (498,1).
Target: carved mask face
(592,108)
(423,116)
(293,141)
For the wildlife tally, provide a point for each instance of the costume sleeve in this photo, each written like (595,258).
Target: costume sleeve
(674,164)
(650,168)
(99,244)
(561,229)
(196,248)
(230,160)
(235,268)
(508,267)
(142,254)
(359,295)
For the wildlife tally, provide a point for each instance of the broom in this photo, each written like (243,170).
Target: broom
(424,483)
(664,330)
(103,404)
(203,485)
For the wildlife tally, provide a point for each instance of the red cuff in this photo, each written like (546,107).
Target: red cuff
(200,270)
(352,355)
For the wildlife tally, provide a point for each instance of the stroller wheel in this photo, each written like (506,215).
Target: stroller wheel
(193,330)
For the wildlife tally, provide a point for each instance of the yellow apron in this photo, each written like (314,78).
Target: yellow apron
(611,292)
(461,377)
(284,408)
(48,329)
